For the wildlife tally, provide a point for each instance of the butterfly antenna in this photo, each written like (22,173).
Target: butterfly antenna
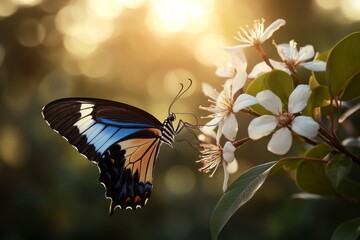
(180,93)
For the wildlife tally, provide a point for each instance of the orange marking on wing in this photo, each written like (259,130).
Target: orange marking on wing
(140,155)
(137,199)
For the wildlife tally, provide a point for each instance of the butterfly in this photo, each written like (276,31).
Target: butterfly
(123,141)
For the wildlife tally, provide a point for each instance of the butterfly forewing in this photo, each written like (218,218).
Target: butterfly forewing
(123,140)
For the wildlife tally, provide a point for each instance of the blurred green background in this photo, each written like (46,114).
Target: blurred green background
(138,51)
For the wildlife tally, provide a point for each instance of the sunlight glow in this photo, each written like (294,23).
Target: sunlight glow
(217,56)
(327,4)
(351,9)
(170,16)
(131,3)
(81,29)
(105,9)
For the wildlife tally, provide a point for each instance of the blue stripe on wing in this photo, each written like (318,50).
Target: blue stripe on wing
(123,124)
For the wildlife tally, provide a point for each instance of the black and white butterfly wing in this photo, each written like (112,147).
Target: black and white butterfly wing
(123,140)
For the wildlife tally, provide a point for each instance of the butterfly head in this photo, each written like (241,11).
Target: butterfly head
(171,117)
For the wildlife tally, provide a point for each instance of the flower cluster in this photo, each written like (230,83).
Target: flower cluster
(279,116)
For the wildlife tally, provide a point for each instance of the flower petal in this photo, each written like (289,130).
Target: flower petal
(262,67)
(209,91)
(306,52)
(280,66)
(227,88)
(243,101)
(280,141)
(225,71)
(269,101)
(239,81)
(298,98)
(271,29)
(230,127)
(261,126)
(226,177)
(212,124)
(305,126)
(237,57)
(219,132)
(207,131)
(316,65)
(259,69)
(228,152)
(232,167)
(285,50)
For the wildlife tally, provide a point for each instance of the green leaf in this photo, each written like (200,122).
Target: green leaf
(350,189)
(287,163)
(321,76)
(320,97)
(311,177)
(349,230)
(352,90)
(338,168)
(319,151)
(343,64)
(240,191)
(279,82)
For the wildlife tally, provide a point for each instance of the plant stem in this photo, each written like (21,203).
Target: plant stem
(334,142)
(240,142)
(263,55)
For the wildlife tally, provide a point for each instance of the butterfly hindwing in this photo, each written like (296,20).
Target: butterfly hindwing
(126,170)
(123,140)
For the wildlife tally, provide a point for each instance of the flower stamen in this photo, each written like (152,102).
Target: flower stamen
(285,119)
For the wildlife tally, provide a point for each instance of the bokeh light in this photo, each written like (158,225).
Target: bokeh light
(105,9)
(328,4)
(179,179)
(31,33)
(171,16)
(7,8)
(27,2)
(14,150)
(351,9)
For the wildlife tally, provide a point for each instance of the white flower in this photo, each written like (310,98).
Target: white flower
(233,69)
(257,35)
(211,156)
(281,140)
(223,106)
(292,58)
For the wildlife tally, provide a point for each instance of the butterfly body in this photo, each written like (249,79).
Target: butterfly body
(122,140)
